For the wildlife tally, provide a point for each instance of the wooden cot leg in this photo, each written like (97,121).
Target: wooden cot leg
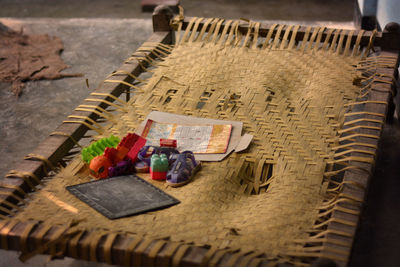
(162,16)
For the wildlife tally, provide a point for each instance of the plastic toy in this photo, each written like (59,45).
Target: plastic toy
(116,155)
(146,152)
(134,151)
(99,167)
(122,168)
(167,142)
(97,148)
(129,140)
(142,167)
(159,167)
(117,158)
(129,147)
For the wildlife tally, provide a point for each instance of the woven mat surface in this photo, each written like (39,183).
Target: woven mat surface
(291,100)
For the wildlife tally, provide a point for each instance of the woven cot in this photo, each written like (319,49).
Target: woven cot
(315,100)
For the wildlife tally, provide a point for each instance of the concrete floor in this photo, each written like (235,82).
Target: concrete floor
(98,37)
(300,10)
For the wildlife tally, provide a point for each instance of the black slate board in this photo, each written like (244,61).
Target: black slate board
(122,196)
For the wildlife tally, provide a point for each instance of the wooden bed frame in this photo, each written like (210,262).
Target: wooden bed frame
(113,249)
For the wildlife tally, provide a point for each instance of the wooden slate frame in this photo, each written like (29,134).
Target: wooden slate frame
(23,235)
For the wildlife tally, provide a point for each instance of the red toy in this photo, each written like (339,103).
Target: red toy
(99,167)
(127,149)
(115,155)
(159,167)
(134,151)
(167,142)
(129,140)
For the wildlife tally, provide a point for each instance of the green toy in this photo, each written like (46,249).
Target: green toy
(159,163)
(158,167)
(97,148)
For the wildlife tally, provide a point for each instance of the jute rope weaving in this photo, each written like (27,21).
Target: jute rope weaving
(298,99)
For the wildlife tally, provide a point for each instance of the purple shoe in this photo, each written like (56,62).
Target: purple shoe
(183,169)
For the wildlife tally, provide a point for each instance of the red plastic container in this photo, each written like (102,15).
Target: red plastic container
(168,142)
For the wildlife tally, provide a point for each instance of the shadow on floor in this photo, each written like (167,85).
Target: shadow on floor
(378,235)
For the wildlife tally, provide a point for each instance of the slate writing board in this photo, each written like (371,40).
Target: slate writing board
(122,196)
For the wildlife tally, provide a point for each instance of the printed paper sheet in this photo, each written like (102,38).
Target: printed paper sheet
(197,138)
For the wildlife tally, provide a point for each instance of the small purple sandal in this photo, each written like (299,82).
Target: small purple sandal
(183,169)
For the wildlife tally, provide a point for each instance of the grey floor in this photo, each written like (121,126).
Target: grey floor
(301,10)
(99,35)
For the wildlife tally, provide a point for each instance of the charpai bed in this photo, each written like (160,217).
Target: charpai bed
(315,100)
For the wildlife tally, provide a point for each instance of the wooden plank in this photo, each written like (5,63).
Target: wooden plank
(380,92)
(54,148)
(264,29)
(390,37)
(161,18)
(194,256)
